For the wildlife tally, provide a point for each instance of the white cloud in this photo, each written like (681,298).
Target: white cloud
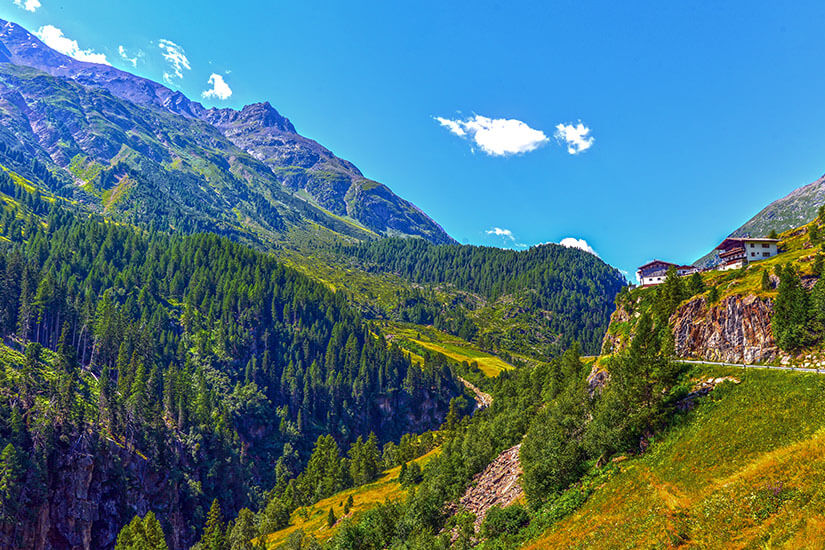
(572,242)
(28,5)
(54,38)
(496,136)
(576,137)
(125,56)
(220,89)
(501,233)
(176,57)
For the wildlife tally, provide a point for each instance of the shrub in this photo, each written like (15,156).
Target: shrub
(507,520)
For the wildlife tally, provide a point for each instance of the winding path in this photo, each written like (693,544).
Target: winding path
(747,366)
(483,400)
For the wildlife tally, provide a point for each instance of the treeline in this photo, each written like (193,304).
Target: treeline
(577,288)
(209,358)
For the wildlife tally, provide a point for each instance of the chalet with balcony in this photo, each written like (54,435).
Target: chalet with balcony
(655,272)
(738,252)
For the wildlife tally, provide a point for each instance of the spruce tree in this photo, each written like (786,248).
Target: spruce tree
(243,531)
(331,519)
(767,284)
(214,535)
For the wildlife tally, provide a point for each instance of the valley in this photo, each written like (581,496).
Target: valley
(216,334)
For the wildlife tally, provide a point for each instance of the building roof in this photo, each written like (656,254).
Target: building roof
(733,242)
(654,262)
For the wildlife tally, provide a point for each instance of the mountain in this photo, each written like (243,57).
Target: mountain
(793,210)
(797,208)
(206,168)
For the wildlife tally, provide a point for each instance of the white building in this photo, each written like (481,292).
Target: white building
(655,272)
(736,253)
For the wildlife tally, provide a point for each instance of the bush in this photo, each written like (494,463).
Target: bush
(500,521)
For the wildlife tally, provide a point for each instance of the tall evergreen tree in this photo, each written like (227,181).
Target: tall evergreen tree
(214,532)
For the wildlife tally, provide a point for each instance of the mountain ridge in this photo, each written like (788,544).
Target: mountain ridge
(297,163)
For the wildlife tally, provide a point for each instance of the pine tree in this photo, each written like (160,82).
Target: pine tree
(696,285)
(819,265)
(153,533)
(791,319)
(767,284)
(670,294)
(11,470)
(142,534)
(214,535)
(243,531)
(331,519)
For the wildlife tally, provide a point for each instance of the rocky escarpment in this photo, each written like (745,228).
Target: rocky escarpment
(89,487)
(737,329)
(616,338)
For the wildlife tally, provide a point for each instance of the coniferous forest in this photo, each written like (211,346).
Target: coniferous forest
(177,370)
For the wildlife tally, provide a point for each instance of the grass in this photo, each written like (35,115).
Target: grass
(446,344)
(312,520)
(745,469)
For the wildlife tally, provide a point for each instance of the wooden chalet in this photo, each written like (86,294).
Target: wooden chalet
(734,253)
(654,273)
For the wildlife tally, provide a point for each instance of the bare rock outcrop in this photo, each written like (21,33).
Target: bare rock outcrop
(613,341)
(737,329)
(498,484)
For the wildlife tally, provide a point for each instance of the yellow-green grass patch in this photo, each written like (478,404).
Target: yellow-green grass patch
(312,520)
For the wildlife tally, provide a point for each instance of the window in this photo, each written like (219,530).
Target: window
(766,254)
(753,254)
(765,245)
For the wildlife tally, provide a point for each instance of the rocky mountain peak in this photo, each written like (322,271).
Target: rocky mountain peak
(289,160)
(252,117)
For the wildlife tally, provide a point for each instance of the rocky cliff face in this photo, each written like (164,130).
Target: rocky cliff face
(737,329)
(91,484)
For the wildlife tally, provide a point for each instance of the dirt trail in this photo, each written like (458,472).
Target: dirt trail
(483,400)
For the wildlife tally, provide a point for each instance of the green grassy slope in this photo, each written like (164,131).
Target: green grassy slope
(312,520)
(744,469)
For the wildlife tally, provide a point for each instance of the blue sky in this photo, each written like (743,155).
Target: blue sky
(699,113)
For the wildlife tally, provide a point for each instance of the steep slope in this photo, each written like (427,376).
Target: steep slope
(731,318)
(142,371)
(795,209)
(741,470)
(292,162)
